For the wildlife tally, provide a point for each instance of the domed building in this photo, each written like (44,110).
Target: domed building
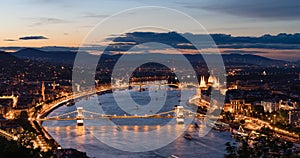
(216,84)
(211,79)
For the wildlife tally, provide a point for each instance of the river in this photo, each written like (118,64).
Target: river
(106,138)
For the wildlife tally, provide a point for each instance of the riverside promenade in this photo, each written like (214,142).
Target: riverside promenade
(254,123)
(44,137)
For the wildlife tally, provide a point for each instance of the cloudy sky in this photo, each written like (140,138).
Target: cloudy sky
(66,23)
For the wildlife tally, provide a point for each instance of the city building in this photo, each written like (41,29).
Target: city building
(287,105)
(202,82)
(211,79)
(295,117)
(237,106)
(270,106)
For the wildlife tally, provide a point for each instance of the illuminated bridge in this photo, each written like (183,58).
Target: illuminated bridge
(179,85)
(79,115)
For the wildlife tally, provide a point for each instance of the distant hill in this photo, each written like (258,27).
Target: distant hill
(10,64)
(239,59)
(69,57)
(298,62)
(8,58)
(251,59)
(52,56)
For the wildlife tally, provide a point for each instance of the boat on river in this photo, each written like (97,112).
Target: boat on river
(219,126)
(188,136)
(70,103)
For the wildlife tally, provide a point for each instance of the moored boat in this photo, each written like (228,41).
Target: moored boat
(219,126)
(70,103)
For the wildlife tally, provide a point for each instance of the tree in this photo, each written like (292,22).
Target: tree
(23,121)
(242,122)
(13,149)
(231,150)
(264,145)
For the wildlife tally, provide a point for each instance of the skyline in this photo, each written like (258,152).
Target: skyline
(140,78)
(280,47)
(41,23)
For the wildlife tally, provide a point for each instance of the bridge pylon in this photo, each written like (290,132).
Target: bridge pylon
(179,115)
(79,116)
(140,87)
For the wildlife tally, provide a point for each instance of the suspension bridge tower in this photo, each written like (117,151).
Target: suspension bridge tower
(140,87)
(79,117)
(179,115)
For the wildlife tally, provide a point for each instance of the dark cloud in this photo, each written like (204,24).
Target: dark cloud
(135,38)
(9,40)
(33,38)
(282,38)
(176,40)
(47,21)
(243,52)
(92,15)
(260,46)
(265,9)
(126,42)
(264,45)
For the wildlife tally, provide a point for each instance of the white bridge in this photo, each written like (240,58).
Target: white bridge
(80,115)
(179,85)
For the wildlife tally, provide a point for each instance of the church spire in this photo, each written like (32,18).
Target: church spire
(202,82)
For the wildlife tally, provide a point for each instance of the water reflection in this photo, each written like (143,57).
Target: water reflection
(84,138)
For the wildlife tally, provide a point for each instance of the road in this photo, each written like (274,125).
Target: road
(46,108)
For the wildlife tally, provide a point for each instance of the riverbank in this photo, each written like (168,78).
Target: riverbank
(90,137)
(256,124)
(46,142)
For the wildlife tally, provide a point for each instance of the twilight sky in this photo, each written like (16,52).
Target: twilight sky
(36,23)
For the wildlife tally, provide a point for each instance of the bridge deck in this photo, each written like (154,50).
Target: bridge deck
(116,117)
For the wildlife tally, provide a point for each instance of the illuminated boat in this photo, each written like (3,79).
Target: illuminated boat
(70,103)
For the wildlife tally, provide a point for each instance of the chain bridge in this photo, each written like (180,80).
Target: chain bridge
(80,114)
